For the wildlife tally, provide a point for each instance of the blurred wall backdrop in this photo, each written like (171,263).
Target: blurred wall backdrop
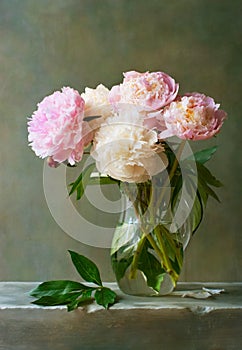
(48,44)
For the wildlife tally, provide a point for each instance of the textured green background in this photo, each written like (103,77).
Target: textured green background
(45,44)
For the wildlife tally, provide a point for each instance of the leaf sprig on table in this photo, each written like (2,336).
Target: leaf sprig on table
(74,294)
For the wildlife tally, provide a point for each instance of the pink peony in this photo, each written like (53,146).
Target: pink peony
(151,91)
(192,117)
(57,130)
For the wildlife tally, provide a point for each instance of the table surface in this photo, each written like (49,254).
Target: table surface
(16,295)
(165,322)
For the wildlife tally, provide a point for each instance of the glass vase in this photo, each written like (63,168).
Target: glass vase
(147,252)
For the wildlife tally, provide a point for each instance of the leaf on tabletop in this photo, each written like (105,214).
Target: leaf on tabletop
(105,297)
(57,288)
(86,268)
(72,300)
(56,300)
(85,297)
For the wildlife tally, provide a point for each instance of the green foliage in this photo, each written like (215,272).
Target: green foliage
(102,180)
(198,182)
(81,182)
(162,251)
(105,297)
(86,268)
(86,178)
(205,181)
(204,155)
(74,294)
(196,213)
(57,288)
(120,265)
(152,268)
(173,247)
(85,298)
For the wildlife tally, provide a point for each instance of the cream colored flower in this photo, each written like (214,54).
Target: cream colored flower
(125,150)
(96,101)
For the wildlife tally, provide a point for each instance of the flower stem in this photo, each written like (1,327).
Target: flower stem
(134,264)
(178,155)
(165,259)
(160,249)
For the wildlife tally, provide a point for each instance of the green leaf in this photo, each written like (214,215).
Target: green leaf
(209,190)
(71,293)
(175,190)
(202,194)
(196,213)
(105,297)
(122,239)
(80,184)
(86,268)
(204,155)
(56,300)
(205,174)
(173,247)
(205,180)
(101,180)
(85,297)
(152,268)
(57,288)
(177,263)
(122,250)
(120,265)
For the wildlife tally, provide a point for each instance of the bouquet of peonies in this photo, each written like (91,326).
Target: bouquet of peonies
(145,109)
(136,132)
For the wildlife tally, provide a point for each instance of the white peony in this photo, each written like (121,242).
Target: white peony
(96,102)
(127,151)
